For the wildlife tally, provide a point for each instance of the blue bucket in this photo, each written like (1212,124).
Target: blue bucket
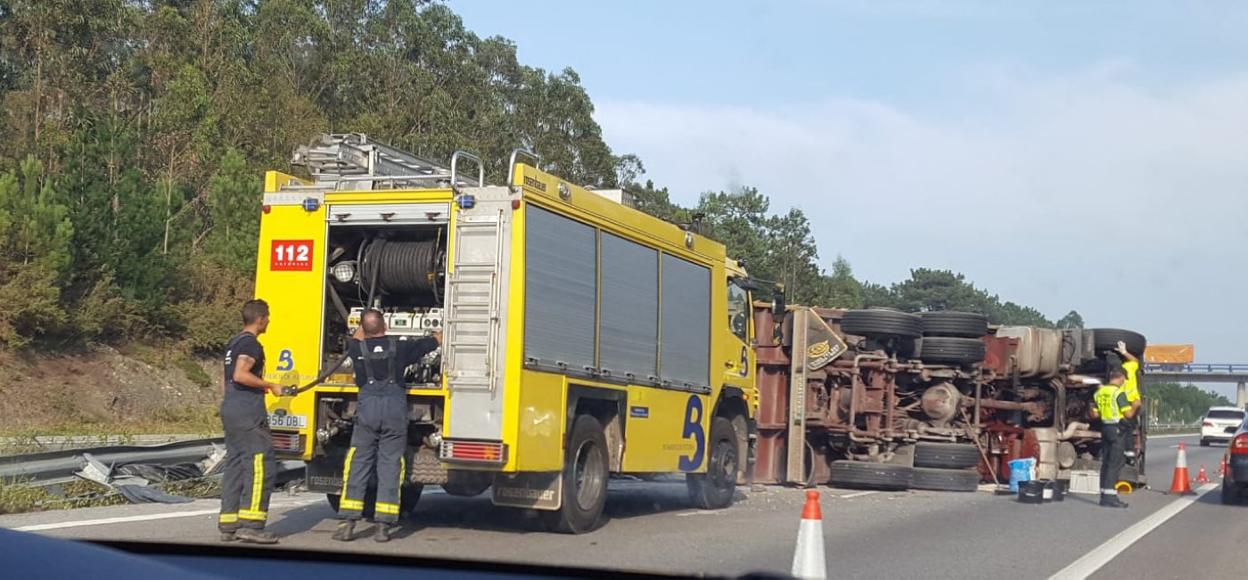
(1020,470)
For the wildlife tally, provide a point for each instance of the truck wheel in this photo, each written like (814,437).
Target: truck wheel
(943,350)
(585,473)
(876,322)
(955,324)
(715,489)
(1107,339)
(886,476)
(946,455)
(945,479)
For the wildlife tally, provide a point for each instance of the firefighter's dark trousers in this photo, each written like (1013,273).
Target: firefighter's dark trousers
(378,443)
(1112,457)
(249,468)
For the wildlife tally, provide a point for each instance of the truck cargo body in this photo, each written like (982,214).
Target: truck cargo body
(877,400)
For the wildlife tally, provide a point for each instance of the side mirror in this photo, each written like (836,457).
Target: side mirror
(778,305)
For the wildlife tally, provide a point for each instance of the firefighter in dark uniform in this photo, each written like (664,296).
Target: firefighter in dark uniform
(249,465)
(1111,406)
(379,438)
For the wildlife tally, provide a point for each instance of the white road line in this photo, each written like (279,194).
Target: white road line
(1105,553)
(700,513)
(854,495)
(1173,436)
(118,520)
(145,518)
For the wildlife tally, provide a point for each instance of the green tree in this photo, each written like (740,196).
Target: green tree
(1072,320)
(234,206)
(843,290)
(35,234)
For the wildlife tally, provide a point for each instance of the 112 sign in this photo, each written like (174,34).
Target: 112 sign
(291,255)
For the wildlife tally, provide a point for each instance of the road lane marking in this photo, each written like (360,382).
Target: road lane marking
(699,513)
(1105,553)
(144,518)
(1173,436)
(854,495)
(117,520)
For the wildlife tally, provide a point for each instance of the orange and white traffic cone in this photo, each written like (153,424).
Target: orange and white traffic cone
(808,561)
(1200,476)
(1182,483)
(1222,473)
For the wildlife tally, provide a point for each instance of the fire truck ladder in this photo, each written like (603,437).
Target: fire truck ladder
(473,303)
(351,161)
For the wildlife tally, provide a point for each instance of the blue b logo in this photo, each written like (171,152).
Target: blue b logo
(285,361)
(693,428)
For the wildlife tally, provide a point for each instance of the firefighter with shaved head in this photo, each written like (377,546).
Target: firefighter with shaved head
(379,438)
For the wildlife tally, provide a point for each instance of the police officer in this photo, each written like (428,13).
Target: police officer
(248,477)
(1131,386)
(1111,407)
(380,432)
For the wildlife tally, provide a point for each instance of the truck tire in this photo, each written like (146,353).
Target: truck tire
(886,476)
(715,489)
(945,479)
(1107,339)
(878,322)
(946,455)
(585,473)
(955,324)
(944,350)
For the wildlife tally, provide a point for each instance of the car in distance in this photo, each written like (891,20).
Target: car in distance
(1219,423)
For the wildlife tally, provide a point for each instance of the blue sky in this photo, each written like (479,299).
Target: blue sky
(1087,155)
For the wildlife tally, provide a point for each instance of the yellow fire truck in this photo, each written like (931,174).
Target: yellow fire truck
(582,338)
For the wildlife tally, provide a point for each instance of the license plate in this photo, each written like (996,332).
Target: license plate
(288,421)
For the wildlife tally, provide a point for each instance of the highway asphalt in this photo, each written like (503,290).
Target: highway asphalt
(867,534)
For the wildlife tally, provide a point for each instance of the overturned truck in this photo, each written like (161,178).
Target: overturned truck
(885,399)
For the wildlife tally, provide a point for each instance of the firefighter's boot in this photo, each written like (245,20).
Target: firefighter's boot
(384,533)
(346,531)
(253,536)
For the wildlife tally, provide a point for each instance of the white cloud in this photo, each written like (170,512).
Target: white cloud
(1088,191)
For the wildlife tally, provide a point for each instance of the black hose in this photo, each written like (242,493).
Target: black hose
(396,267)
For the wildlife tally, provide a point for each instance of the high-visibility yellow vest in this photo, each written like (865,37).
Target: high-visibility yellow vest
(1131,387)
(1110,401)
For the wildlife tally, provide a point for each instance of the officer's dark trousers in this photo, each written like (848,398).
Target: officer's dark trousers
(1112,458)
(378,443)
(249,468)
(1127,426)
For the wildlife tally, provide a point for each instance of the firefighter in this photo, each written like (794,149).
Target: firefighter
(379,438)
(1130,365)
(1111,407)
(249,464)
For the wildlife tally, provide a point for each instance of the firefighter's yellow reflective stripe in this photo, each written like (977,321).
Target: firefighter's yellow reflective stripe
(257,481)
(402,471)
(228,518)
(388,508)
(351,504)
(346,472)
(253,515)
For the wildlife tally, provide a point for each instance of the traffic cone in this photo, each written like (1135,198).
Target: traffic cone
(808,559)
(1222,472)
(1200,476)
(1181,484)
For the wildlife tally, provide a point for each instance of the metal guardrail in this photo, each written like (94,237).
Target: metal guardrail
(1206,368)
(59,466)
